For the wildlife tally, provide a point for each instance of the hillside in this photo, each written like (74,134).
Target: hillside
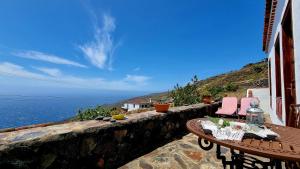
(252,75)
(234,83)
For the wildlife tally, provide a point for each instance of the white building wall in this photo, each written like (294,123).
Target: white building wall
(130,106)
(273,114)
(264,99)
(281,5)
(280,10)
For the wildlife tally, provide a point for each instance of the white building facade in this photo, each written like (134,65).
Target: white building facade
(281,42)
(135,106)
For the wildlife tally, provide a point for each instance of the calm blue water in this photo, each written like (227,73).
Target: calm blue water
(20,110)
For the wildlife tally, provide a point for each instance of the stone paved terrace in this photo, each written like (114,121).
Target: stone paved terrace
(184,153)
(179,154)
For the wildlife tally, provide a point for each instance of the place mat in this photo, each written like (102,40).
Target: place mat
(237,131)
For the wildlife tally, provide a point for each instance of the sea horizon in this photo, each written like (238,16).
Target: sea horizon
(18,110)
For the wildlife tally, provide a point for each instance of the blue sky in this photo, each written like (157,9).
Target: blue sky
(132,45)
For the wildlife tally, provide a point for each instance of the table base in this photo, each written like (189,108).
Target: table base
(239,159)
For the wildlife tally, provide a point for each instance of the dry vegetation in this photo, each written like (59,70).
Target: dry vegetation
(250,76)
(234,83)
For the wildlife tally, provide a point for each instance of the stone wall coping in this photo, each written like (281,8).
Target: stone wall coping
(27,137)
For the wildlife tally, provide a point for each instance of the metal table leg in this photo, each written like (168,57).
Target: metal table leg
(239,159)
(277,164)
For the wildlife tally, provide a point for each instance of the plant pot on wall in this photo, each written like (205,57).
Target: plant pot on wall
(162,107)
(207,99)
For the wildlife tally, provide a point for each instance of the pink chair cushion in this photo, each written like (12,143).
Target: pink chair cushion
(245,104)
(229,106)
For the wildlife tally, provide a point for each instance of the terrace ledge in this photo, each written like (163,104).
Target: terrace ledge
(85,143)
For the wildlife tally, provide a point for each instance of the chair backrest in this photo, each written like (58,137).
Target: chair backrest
(229,103)
(245,104)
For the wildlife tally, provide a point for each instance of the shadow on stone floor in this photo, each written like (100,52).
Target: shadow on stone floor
(182,154)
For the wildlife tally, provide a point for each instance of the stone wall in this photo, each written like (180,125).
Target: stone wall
(95,144)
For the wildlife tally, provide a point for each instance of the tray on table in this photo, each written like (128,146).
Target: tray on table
(249,134)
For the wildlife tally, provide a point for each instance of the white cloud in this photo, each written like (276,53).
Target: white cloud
(36,55)
(100,51)
(49,71)
(10,69)
(137,79)
(54,77)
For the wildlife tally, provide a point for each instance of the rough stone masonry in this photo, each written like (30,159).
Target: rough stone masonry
(95,144)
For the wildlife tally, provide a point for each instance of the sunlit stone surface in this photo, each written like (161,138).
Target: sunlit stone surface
(98,144)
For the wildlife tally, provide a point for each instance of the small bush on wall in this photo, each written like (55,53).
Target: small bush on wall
(186,95)
(92,113)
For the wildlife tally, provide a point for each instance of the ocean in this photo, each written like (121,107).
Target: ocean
(20,110)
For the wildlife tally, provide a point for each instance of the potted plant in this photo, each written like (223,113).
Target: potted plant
(162,106)
(206,97)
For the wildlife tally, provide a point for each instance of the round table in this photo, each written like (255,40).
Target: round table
(285,148)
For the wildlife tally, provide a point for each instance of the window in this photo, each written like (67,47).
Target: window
(278,78)
(278,68)
(270,82)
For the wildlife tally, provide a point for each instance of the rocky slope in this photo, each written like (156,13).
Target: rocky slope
(253,75)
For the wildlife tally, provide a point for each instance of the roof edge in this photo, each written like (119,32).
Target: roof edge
(270,11)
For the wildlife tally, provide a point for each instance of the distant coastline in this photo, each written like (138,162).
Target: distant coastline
(21,110)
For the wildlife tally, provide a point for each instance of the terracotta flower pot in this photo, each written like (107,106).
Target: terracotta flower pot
(162,107)
(207,99)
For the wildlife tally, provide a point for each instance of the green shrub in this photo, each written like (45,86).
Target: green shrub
(257,69)
(230,87)
(187,94)
(215,90)
(92,113)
